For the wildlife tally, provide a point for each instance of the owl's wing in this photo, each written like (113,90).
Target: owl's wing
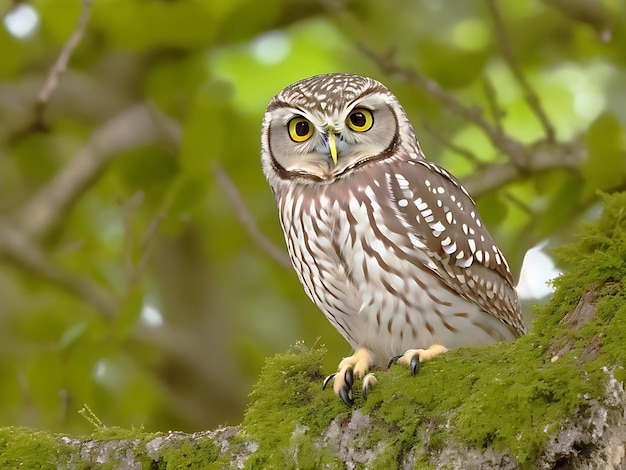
(446,233)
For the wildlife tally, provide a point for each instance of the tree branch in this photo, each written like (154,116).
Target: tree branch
(135,127)
(23,253)
(246,219)
(496,175)
(135,270)
(523,161)
(61,63)
(507,52)
(497,112)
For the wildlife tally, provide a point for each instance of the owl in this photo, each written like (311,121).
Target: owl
(387,244)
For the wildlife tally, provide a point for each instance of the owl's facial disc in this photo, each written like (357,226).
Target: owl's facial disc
(324,141)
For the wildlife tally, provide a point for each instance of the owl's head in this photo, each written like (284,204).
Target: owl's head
(320,127)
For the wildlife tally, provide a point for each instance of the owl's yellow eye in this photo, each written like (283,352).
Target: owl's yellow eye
(300,129)
(360,120)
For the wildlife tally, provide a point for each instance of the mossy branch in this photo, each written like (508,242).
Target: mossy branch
(553,399)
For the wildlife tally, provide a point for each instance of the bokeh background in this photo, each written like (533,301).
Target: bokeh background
(141,259)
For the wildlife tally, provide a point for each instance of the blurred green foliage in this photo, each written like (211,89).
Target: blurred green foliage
(144,296)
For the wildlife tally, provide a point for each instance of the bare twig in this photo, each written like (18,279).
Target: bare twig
(169,130)
(246,219)
(507,52)
(23,253)
(135,127)
(516,201)
(128,209)
(135,270)
(492,100)
(147,246)
(505,143)
(446,142)
(61,63)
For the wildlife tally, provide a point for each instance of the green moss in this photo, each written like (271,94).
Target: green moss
(177,453)
(114,433)
(25,448)
(596,261)
(199,454)
(288,409)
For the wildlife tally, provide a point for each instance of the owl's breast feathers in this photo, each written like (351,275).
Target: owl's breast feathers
(376,221)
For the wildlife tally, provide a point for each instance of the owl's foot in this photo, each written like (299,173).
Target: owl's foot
(357,366)
(414,357)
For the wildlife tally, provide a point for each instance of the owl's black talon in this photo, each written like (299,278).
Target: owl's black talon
(327,380)
(346,395)
(349,377)
(415,364)
(393,360)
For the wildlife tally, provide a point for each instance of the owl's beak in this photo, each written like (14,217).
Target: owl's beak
(332,146)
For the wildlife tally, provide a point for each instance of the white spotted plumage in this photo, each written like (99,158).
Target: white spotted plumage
(387,244)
